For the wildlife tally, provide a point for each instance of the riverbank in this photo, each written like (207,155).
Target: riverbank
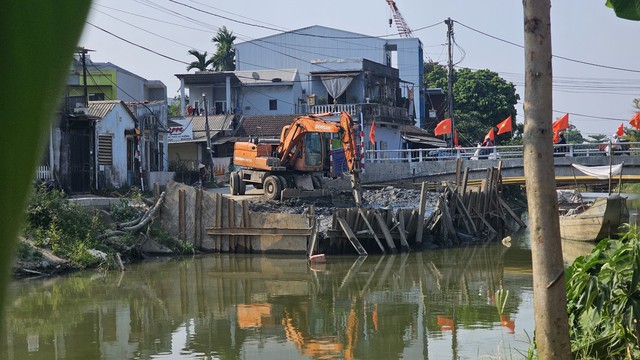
(62,236)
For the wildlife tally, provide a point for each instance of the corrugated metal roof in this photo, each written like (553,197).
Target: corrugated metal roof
(216,122)
(102,108)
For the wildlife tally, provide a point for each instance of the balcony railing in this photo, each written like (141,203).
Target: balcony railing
(378,112)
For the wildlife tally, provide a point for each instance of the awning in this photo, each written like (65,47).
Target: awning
(425,140)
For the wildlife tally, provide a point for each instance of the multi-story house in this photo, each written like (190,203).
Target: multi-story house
(98,145)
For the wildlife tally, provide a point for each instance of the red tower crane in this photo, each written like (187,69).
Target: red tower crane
(403,29)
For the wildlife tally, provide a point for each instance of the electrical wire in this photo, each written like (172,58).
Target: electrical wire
(555,56)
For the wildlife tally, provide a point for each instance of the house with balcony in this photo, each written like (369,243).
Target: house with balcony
(251,92)
(316,48)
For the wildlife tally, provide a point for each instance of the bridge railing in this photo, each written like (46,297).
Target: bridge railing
(499,152)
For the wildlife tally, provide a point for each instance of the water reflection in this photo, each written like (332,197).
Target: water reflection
(436,305)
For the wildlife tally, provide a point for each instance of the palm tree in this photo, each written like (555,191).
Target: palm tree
(224,58)
(202,62)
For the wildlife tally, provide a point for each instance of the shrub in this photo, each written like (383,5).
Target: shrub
(603,299)
(64,226)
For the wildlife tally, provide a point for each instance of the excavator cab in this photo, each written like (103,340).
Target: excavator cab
(311,155)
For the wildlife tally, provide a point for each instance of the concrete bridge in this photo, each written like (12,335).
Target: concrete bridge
(440,164)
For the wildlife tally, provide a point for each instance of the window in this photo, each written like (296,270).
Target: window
(105,149)
(273,104)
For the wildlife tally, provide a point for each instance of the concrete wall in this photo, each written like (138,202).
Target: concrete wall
(256,99)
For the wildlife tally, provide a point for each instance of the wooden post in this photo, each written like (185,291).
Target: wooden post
(197,236)
(246,222)
(231,221)
(218,245)
(385,230)
(181,216)
(368,224)
(421,211)
(351,236)
(403,233)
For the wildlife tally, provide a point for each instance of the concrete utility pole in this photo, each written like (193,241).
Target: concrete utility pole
(549,294)
(449,23)
(207,130)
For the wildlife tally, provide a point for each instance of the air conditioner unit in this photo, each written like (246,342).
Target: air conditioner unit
(81,111)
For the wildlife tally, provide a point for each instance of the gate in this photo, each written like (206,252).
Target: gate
(80,157)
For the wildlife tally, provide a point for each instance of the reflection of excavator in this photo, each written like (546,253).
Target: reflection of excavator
(298,163)
(324,347)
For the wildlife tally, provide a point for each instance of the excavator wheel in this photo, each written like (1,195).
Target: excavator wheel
(272,187)
(242,186)
(234,183)
(283,181)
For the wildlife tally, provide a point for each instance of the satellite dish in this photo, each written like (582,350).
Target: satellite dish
(255,75)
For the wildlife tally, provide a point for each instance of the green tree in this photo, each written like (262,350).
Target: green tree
(174,106)
(573,135)
(597,138)
(224,58)
(201,63)
(481,99)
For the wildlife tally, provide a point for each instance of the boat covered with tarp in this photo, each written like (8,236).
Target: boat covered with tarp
(595,219)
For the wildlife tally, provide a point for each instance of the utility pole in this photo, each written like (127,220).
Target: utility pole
(449,23)
(207,130)
(83,58)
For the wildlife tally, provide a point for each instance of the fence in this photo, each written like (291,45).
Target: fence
(43,172)
(499,152)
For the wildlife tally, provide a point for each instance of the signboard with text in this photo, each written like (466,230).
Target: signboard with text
(182,132)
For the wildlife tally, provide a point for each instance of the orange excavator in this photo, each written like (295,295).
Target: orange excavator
(296,166)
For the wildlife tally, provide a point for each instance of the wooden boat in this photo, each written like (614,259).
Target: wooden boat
(594,221)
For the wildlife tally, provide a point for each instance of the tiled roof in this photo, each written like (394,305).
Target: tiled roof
(264,126)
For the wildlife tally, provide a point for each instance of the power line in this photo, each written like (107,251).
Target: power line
(555,56)
(137,45)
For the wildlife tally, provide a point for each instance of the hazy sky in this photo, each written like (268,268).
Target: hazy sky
(598,98)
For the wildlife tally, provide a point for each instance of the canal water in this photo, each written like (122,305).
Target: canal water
(467,303)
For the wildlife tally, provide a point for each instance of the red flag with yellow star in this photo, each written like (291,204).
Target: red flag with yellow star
(443,127)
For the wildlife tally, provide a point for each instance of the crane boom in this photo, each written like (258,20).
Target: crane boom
(403,28)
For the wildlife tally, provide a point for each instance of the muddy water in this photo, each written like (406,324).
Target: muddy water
(435,305)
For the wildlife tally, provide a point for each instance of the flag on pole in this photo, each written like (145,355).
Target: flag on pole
(455,138)
(372,133)
(635,120)
(491,134)
(505,126)
(620,130)
(555,137)
(561,123)
(443,127)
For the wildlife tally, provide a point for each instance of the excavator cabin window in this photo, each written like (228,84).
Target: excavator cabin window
(313,149)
